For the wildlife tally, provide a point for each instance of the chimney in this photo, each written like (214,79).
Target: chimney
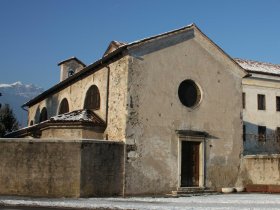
(70,67)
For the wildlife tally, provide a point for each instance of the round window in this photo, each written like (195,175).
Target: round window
(189,93)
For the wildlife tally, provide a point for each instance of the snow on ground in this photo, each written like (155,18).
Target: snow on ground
(205,202)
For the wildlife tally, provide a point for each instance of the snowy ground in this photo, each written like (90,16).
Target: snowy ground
(206,202)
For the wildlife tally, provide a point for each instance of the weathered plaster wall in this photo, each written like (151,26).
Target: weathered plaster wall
(61,168)
(76,92)
(260,169)
(270,87)
(155,112)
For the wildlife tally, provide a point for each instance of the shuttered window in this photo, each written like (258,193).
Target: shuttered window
(277,103)
(92,100)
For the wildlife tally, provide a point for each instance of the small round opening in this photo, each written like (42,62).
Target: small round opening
(189,93)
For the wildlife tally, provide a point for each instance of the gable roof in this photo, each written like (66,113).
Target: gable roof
(259,67)
(120,50)
(72,58)
(113,46)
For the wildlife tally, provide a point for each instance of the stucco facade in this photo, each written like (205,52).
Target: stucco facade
(155,73)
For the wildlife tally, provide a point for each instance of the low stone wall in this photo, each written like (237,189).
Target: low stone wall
(260,170)
(61,168)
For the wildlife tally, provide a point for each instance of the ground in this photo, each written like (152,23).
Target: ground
(221,201)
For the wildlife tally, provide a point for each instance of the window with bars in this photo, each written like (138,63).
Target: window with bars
(262,133)
(261,102)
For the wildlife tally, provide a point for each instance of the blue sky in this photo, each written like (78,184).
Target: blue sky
(35,35)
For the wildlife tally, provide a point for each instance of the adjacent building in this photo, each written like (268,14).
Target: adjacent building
(261,107)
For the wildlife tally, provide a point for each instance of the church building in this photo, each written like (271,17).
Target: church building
(174,101)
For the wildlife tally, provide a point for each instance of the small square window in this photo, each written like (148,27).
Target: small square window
(262,133)
(261,102)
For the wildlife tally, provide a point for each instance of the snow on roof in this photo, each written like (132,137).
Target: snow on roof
(84,115)
(259,67)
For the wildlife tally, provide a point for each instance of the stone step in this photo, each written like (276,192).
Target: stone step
(192,191)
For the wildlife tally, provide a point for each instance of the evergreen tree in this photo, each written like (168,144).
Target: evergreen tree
(8,122)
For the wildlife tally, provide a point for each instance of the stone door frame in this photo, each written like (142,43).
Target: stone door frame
(192,136)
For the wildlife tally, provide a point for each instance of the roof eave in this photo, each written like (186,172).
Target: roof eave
(38,127)
(67,81)
(242,70)
(264,73)
(72,58)
(96,64)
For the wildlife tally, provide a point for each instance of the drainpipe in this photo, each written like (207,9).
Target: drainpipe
(107,99)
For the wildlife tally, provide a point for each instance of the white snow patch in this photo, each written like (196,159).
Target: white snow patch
(207,202)
(79,115)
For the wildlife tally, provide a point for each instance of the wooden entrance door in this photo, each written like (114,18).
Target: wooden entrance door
(190,164)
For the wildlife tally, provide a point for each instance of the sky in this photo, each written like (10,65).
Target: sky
(35,35)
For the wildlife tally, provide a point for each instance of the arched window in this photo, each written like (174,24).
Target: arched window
(37,115)
(43,115)
(31,122)
(92,100)
(64,106)
(71,72)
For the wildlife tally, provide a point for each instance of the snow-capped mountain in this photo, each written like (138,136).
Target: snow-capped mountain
(15,95)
